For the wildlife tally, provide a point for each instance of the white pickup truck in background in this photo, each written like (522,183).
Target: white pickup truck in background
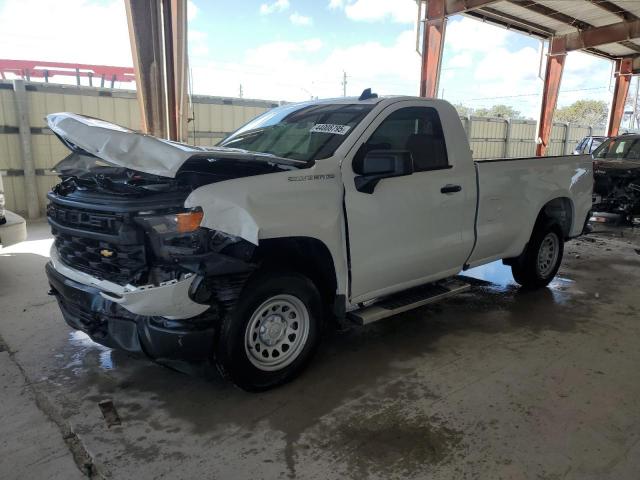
(355,207)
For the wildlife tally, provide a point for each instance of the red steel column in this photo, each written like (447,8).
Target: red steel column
(624,69)
(432,46)
(552,78)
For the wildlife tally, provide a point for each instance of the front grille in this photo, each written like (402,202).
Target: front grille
(117,263)
(94,221)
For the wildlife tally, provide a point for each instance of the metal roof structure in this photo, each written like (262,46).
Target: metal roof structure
(607,28)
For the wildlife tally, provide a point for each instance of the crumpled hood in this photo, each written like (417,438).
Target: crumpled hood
(144,153)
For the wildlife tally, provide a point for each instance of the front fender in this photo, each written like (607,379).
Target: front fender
(225,215)
(294,203)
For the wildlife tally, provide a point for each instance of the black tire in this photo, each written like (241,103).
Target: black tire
(237,361)
(526,269)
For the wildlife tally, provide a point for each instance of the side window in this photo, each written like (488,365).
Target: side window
(416,129)
(595,143)
(633,153)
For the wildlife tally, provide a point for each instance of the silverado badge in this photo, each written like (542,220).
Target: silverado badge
(106,253)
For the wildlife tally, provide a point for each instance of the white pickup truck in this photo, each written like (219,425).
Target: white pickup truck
(353,208)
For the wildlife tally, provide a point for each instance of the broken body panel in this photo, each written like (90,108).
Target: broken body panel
(124,197)
(616,171)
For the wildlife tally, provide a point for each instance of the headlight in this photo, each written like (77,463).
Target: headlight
(180,222)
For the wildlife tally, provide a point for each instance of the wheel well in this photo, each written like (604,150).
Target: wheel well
(306,255)
(561,210)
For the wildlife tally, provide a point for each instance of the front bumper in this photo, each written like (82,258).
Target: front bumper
(87,308)
(170,299)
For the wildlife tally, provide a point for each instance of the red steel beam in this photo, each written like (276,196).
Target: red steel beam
(432,46)
(552,79)
(624,68)
(433,39)
(595,36)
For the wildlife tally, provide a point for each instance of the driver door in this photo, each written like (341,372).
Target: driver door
(411,229)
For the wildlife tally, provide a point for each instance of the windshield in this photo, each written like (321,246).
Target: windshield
(622,148)
(300,132)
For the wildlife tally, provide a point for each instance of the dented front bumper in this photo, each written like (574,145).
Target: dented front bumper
(90,308)
(169,299)
(128,272)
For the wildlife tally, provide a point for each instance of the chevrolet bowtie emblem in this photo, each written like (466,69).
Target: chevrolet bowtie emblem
(106,253)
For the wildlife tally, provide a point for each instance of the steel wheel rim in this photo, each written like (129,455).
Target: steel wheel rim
(548,254)
(277,332)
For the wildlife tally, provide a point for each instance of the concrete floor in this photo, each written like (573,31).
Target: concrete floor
(495,383)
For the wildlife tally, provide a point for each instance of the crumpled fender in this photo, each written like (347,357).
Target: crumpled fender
(225,216)
(296,203)
(305,202)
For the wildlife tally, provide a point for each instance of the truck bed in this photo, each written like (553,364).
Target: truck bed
(511,193)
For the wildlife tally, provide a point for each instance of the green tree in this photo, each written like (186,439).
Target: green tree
(498,111)
(583,112)
(463,110)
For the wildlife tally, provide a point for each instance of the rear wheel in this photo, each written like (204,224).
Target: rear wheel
(272,332)
(540,261)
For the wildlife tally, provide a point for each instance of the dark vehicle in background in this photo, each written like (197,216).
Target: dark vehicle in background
(616,172)
(588,144)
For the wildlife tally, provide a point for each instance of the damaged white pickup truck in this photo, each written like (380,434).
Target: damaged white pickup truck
(351,208)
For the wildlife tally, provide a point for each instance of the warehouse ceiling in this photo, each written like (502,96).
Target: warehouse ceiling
(608,28)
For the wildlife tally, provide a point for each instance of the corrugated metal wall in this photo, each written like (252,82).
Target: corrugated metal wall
(497,137)
(214,118)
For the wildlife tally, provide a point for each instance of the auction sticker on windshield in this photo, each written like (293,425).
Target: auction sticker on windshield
(330,128)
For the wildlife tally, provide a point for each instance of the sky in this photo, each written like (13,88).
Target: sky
(296,49)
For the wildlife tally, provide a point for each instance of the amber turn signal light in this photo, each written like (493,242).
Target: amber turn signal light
(188,222)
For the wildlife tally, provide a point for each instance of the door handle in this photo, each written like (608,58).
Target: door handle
(450,189)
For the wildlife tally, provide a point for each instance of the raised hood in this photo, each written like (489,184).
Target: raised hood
(126,148)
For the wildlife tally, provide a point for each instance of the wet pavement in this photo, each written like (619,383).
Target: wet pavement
(494,383)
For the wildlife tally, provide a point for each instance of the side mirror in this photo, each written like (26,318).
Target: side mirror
(378,164)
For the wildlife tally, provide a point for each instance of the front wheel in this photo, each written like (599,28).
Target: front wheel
(540,261)
(272,332)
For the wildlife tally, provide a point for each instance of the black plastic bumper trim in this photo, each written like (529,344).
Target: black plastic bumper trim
(108,324)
